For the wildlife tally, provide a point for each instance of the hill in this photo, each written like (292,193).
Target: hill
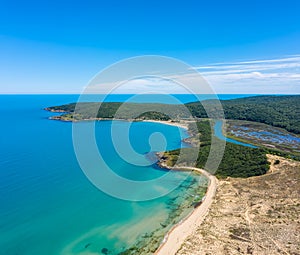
(278,111)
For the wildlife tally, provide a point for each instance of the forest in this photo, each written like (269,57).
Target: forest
(278,111)
(238,161)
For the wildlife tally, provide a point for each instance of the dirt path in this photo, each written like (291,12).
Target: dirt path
(188,226)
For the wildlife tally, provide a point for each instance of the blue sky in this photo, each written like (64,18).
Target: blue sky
(58,46)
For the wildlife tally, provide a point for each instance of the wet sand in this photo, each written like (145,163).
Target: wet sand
(176,236)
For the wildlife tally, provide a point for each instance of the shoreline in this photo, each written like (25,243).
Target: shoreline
(180,124)
(179,232)
(183,125)
(176,236)
(237,219)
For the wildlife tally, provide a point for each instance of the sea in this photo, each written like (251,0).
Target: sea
(48,205)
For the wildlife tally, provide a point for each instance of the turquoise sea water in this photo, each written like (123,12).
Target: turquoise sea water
(47,205)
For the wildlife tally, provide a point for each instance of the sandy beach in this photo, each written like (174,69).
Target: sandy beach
(181,124)
(176,236)
(256,215)
(176,124)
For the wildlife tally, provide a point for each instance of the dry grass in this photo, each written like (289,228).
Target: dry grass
(258,215)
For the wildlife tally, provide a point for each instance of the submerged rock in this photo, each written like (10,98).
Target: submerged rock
(87,245)
(104,251)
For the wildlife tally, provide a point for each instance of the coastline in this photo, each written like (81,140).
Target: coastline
(181,124)
(256,215)
(179,232)
(175,237)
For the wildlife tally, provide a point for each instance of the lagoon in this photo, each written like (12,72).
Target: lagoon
(218,132)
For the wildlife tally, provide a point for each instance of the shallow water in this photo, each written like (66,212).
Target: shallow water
(47,205)
(271,135)
(218,131)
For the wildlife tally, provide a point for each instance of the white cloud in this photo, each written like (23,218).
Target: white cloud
(269,76)
(153,85)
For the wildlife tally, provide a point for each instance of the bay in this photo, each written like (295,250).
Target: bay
(48,206)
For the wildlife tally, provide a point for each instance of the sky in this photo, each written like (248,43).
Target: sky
(237,46)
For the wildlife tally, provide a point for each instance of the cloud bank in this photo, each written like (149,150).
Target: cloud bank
(269,76)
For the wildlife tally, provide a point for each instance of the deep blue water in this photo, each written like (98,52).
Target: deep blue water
(47,205)
(150,98)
